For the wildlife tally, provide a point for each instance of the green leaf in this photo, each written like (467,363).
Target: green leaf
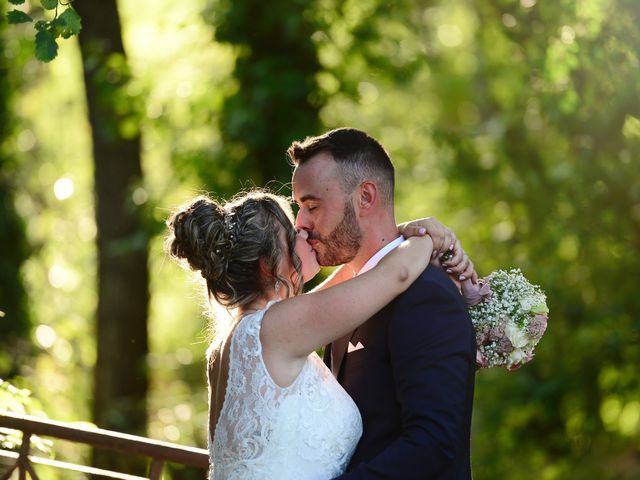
(41,25)
(16,2)
(16,16)
(67,24)
(46,46)
(539,309)
(49,4)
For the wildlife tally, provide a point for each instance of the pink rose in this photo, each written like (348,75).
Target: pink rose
(475,293)
(528,357)
(497,331)
(504,346)
(481,360)
(537,326)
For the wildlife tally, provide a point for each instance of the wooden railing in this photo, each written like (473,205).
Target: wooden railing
(158,452)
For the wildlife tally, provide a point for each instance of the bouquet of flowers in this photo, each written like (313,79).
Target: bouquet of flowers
(509,315)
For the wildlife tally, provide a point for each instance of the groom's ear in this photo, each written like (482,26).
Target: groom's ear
(367,196)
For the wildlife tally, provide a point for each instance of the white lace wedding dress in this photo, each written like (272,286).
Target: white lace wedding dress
(306,431)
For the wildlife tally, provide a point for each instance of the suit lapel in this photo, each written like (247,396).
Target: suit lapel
(338,349)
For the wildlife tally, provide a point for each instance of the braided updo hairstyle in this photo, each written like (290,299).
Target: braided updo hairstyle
(226,242)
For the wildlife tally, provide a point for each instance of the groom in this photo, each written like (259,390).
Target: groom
(410,368)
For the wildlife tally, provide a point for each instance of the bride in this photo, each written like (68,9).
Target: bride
(275,409)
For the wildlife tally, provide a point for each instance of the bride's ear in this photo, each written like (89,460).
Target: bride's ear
(267,279)
(265,273)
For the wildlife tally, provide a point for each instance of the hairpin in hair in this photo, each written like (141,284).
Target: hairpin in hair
(231,229)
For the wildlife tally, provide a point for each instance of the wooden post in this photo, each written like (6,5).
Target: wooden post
(23,459)
(155,471)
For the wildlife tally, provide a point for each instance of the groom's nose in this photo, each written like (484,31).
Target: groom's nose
(303,221)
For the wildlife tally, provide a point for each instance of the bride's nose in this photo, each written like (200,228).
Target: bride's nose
(302,233)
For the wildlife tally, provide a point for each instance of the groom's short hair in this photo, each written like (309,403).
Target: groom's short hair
(359,157)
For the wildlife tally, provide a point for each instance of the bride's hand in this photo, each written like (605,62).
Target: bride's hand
(443,237)
(457,264)
(448,254)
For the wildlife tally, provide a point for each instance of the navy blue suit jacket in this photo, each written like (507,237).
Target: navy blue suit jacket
(413,382)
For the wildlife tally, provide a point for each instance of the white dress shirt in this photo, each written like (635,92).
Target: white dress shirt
(380,254)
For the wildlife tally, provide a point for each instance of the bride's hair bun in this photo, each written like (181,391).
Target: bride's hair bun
(226,244)
(198,237)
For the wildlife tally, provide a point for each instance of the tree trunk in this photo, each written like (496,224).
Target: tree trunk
(14,318)
(121,378)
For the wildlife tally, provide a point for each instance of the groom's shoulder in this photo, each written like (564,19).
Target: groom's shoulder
(433,274)
(431,304)
(433,289)
(433,281)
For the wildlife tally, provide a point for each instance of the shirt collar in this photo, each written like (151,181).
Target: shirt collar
(380,254)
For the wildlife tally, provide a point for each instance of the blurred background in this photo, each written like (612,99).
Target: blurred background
(515,122)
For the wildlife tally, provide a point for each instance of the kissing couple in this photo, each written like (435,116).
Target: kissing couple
(393,397)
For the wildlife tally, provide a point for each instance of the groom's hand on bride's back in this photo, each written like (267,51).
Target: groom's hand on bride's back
(448,253)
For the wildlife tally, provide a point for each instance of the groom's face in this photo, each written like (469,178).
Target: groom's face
(326,211)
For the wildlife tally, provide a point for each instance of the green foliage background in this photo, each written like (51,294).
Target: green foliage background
(517,123)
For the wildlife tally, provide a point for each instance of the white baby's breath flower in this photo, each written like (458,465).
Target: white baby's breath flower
(526,304)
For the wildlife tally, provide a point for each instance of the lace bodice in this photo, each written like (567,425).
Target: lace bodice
(306,431)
